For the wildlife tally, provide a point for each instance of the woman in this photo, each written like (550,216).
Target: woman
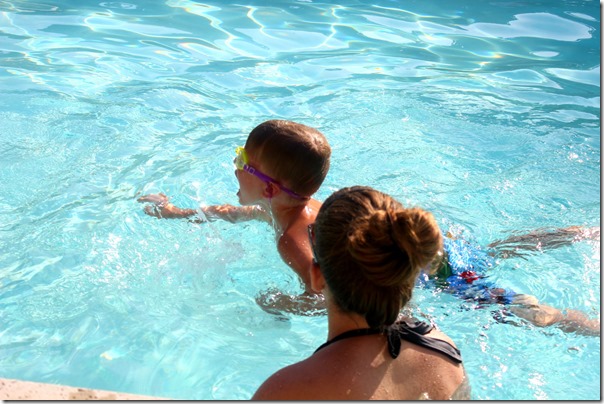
(368,251)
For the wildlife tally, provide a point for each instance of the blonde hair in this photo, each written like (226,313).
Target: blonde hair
(292,153)
(371,249)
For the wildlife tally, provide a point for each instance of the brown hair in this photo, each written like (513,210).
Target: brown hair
(293,153)
(371,249)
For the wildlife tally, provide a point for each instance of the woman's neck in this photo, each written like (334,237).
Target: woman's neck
(339,322)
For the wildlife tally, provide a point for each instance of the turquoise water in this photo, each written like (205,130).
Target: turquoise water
(485,113)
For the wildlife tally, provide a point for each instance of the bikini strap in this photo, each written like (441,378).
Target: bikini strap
(413,332)
(416,333)
(348,334)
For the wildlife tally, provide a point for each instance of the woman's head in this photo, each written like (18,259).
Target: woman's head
(294,154)
(371,249)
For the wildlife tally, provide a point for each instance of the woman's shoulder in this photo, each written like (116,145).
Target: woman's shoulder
(327,376)
(300,381)
(436,333)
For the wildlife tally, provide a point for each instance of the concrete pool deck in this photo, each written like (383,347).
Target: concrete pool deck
(11,389)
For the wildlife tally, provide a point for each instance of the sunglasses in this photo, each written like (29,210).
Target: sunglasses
(242,163)
(311,240)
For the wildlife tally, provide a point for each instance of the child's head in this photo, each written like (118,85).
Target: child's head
(294,154)
(370,250)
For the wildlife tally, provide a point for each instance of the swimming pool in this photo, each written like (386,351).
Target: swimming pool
(487,115)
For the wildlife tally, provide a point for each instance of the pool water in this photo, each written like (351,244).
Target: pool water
(485,113)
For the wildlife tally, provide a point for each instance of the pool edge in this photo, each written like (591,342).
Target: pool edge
(13,389)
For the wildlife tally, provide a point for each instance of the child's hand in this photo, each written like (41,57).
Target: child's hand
(161,207)
(158,199)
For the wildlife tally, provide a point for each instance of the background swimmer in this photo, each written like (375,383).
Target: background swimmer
(463,268)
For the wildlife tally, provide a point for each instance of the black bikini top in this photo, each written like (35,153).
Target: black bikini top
(411,331)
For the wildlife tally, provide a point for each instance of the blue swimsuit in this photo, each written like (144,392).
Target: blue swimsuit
(466,277)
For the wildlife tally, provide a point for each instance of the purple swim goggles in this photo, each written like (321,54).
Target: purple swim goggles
(242,163)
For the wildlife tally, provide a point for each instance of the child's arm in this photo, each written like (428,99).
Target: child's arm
(235,214)
(162,208)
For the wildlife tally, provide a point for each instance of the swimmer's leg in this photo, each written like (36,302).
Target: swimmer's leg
(542,315)
(543,239)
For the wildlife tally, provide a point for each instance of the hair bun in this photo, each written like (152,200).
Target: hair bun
(374,246)
(416,232)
